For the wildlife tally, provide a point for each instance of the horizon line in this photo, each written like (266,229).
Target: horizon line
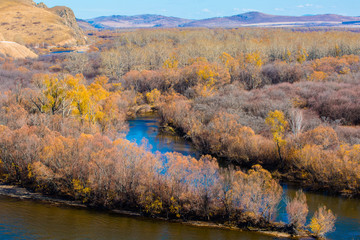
(164,15)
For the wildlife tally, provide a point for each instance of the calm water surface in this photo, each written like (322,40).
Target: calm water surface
(32,220)
(347,210)
(147,129)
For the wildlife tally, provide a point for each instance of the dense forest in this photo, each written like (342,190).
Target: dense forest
(271,105)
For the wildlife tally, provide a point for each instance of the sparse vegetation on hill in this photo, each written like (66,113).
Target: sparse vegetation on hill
(28,24)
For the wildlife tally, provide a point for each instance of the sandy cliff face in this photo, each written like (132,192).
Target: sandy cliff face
(15,50)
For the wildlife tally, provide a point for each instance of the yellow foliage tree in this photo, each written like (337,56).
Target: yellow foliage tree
(153,206)
(228,61)
(287,56)
(301,55)
(171,63)
(80,191)
(52,97)
(94,104)
(317,76)
(322,222)
(254,59)
(153,96)
(206,75)
(278,124)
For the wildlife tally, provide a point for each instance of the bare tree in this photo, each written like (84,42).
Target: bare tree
(296,121)
(77,63)
(297,210)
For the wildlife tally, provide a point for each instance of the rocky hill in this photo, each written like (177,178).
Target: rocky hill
(68,18)
(28,23)
(250,19)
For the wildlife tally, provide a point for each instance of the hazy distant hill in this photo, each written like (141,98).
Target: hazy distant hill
(85,25)
(241,20)
(138,21)
(26,22)
(261,19)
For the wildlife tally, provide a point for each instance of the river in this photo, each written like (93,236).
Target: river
(32,220)
(347,210)
(23,219)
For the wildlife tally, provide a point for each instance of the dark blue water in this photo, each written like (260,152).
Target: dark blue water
(147,130)
(56,52)
(347,210)
(31,220)
(67,51)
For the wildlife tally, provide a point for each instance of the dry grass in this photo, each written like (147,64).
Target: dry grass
(25,24)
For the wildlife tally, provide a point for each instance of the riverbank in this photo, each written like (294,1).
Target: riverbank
(288,174)
(24,194)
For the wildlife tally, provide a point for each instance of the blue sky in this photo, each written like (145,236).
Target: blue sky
(197,9)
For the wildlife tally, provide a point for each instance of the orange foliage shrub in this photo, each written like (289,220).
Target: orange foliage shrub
(106,173)
(325,162)
(317,76)
(325,137)
(331,65)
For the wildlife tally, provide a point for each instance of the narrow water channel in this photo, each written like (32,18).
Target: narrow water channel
(347,210)
(147,130)
(21,219)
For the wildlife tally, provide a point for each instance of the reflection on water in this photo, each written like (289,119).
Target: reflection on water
(146,129)
(347,210)
(31,220)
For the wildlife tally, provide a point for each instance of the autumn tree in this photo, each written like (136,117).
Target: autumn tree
(278,124)
(257,193)
(203,180)
(250,67)
(153,96)
(322,222)
(51,97)
(226,190)
(301,55)
(230,63)
(297,210)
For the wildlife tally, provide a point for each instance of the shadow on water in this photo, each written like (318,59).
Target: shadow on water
(32,220)
(347,210)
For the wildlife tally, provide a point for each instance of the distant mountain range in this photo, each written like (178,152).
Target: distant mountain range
(138,21)
(249,19)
